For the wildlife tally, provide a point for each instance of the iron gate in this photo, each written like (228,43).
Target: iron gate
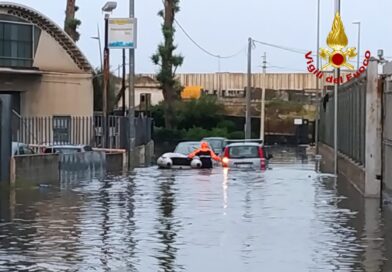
(387,136)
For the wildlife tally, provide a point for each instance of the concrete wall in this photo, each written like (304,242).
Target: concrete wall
(115,162)
(350,170)
(238,81)
(156,96)
(58,94)
(34,170)
(82,166)
(51,56)
(145,154)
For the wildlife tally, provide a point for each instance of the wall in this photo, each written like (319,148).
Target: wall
(115,162)
(59,94)
(156,96)
(226,81)
(35,169)
(51,56)
(351,171)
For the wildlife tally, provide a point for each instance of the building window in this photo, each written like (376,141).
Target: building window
(16,44)
(61,129)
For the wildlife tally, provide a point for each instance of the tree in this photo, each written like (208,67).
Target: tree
(168,62)
(98,87)
(71,24)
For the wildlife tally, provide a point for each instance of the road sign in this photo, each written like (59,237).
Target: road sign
(122,33)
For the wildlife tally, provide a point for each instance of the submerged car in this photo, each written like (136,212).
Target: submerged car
(66,149)
(217,144)
(21,149)
(246,154)
(179,157)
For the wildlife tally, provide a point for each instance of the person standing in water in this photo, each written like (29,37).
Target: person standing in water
(205,154)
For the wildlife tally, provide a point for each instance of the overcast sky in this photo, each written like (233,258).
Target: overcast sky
(223,27)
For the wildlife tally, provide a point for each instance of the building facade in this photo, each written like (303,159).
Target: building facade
(41,66)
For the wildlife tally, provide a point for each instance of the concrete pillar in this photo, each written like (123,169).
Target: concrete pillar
(373,137)
(5,136)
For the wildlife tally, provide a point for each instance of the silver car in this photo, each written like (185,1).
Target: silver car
(249,155)
(21,149)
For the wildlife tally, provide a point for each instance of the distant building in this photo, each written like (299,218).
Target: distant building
(41,66)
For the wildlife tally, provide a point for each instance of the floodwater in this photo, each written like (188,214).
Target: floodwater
(286,219)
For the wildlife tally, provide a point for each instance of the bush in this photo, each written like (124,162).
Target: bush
(219,132)
(205,113)
(227,124)
(236,135)
(167,135)
(196,134)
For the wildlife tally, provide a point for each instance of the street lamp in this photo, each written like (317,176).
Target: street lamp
(359,42)
(98,38)
(107,8)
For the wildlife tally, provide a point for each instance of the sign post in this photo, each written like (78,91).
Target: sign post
(122,33)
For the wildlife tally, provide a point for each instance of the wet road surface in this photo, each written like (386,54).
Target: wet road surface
(288,218)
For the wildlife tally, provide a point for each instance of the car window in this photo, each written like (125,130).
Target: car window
(186,148)
(216,144)
(66,150)
(247,152)
(88,148)
(27,150)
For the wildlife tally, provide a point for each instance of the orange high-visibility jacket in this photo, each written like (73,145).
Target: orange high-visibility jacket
(204,150)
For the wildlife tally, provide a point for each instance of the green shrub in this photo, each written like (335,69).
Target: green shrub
(219,132)
(196,134)
(167,135)
(227,124)
(237,135)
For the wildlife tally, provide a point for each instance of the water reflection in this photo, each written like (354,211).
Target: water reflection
(166,228)
(286,219)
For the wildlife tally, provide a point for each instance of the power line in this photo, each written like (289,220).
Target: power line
(205,50)
(290,49)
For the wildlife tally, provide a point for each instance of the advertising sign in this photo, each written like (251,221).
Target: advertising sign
(122,33)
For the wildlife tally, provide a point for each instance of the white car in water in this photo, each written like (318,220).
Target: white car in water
(179,157)
(248,154)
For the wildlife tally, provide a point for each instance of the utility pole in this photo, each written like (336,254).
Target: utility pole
(248,118)
(131,96)
(262,116)
(359,44)
(123,83)
(319,95)
(336,90)
(106,84)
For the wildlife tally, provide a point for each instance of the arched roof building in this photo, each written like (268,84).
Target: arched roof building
(42,66)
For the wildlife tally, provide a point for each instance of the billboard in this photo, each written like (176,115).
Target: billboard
(122,33)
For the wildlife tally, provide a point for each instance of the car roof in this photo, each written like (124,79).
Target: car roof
(214,138)
(188,143)
(67,146)
(244,144)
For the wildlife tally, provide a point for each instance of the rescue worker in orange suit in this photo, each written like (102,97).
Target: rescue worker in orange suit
(205,154)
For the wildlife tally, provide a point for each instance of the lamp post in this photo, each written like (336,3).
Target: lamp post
(98,38)
(248,118)
(336,90)
(107,9)
(359,43)
(131,96)
(317,124)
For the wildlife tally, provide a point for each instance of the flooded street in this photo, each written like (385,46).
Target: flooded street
(288,218)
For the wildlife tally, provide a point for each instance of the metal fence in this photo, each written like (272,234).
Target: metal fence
(79,130)
(351,120)
(387,137)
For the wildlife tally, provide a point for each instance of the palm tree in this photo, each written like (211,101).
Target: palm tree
(71,24)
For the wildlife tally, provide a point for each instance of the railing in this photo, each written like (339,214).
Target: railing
(69,130)
(351,120)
